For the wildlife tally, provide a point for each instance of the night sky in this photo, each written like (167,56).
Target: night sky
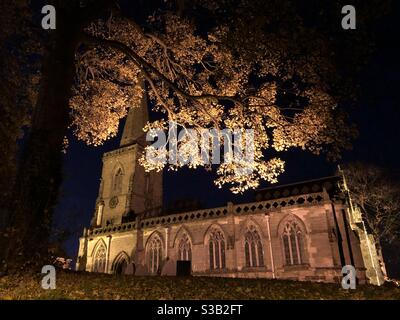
(376,115)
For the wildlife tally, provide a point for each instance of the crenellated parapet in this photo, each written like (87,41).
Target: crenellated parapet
(235,209)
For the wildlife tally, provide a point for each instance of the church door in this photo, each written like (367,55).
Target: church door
(120,267)
(183,267)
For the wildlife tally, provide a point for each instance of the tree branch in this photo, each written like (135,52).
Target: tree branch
(145,66)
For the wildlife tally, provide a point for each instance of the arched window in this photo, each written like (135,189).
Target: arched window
(100,257)
(253,249)
(217,250)
(293,243)
(185,249)
(117,182)
(154,254)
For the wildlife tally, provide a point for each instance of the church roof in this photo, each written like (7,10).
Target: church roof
(303,187)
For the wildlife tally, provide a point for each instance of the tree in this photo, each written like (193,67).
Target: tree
(249,65)
(377,192)
(39,168)
(234,64)
(232,76)
(19,75)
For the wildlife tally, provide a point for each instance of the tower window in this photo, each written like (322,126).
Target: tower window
(117,182)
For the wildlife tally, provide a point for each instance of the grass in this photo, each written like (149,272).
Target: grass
(82,285)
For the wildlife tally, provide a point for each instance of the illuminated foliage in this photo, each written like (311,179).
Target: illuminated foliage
(241,74)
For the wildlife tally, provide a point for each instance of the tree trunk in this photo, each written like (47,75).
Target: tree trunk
(40,171)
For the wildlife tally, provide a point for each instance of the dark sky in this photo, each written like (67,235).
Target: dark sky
(377,116)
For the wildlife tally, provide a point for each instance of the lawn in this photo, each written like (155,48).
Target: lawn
(82,285)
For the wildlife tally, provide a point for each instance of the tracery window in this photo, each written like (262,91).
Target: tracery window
(185,249)
(154,254)
(100,258)
(217,250)
(293,243)
(253,249)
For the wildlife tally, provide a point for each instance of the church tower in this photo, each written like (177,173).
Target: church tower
(126,190)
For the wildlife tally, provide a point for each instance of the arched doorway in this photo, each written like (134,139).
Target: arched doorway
(120,263)
(120,268)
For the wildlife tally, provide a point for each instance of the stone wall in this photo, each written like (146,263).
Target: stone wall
(319,221)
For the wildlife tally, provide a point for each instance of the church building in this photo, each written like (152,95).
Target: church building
(302,231)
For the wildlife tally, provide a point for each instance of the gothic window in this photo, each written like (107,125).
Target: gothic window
(100,257)
(253,249)
(217,250)
(117,182)
(293,243)
(147,182)
(185,250)
(154,254)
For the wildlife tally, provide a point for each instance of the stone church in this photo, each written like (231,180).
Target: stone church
(302,231)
